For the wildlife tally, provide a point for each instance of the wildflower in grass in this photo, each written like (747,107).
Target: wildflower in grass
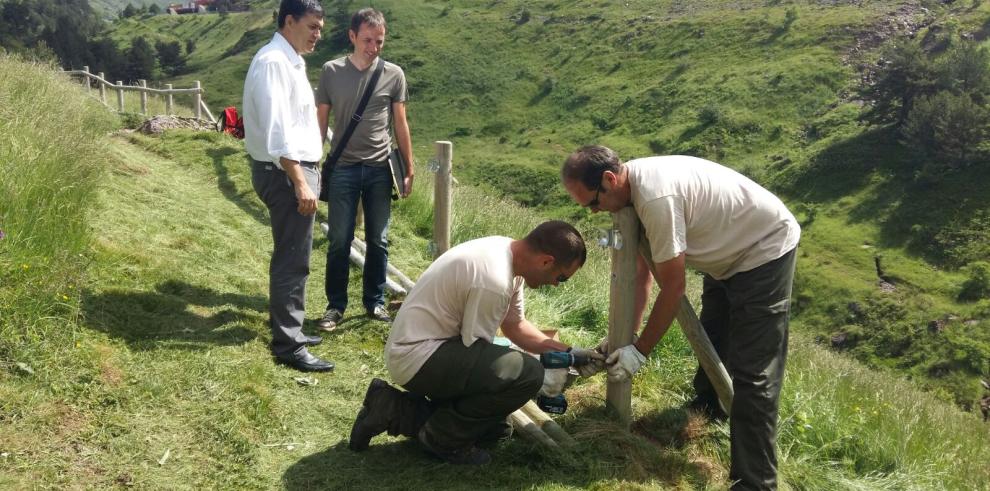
(2,235)
(26,266)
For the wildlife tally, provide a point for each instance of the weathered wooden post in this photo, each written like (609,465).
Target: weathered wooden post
(199,101)
(442,198)
(168,99)
(89,86)
(120,96)
(103,88)
(144,97)
(622,295)
(698,339)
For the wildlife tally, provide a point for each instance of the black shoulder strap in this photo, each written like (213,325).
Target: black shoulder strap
(358,114)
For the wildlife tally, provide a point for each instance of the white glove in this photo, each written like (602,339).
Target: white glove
(624,363)
(603,346)
(595,364)
(554,380)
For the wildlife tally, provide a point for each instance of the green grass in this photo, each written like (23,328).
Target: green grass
(156,374)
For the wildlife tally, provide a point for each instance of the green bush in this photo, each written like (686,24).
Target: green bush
(949,128)
(977,286)
(906,75)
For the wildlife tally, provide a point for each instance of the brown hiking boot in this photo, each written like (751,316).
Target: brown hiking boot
(375,415)
(469,455)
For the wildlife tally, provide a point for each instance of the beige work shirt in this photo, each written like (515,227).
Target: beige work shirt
(722,221)
(467,293)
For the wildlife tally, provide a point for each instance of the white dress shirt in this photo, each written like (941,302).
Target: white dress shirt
(279,109)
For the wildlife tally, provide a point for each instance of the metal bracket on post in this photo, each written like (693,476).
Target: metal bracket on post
(433,165)
(610,239)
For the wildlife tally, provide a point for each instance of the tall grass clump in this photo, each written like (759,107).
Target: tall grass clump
(846,426)
(51,162)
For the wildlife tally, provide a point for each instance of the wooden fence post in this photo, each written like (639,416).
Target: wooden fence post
(199,101)
(442,198)
(120,96)
(622,295)
(89,86)
(168,99)
(144,97)
(103,89)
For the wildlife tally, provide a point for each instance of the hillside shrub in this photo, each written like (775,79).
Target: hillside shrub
(939,101)
(710,114)
(950,129)
(907,73)
(977,285)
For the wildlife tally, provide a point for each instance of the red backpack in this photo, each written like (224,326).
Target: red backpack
(231,123)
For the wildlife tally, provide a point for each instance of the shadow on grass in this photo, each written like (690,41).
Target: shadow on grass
(604,456)
(243,199)
(403,464)
(908,210)
(846,166)
(176,314)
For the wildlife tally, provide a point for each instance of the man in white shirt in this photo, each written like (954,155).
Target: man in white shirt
(700,214)
(282,136)
(441,345)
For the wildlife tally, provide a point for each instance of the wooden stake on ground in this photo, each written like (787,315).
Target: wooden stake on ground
(393,287)
(549,426)
(399,276)
(525,425)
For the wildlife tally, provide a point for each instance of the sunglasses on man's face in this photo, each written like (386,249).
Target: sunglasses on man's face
(594,202)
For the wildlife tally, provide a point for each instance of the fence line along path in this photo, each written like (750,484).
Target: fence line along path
(102,84)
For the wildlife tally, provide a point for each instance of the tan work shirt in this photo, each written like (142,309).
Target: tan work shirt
(468,293)
(722,221)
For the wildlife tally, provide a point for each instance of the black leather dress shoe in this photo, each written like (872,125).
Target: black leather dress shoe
(306,362)
(312,340)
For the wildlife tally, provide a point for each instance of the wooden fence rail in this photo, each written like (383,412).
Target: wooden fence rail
(144,90)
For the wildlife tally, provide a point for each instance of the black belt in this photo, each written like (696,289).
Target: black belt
(303,163)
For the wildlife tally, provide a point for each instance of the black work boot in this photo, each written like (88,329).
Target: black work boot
(469,455)
(498,432)
(707,407)
(376,414)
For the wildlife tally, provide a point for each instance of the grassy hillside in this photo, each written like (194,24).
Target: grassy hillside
(769,88)
(133,346)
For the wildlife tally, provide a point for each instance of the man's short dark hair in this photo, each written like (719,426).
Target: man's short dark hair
(298,9)
(368,16)
(587,164)
(560,240)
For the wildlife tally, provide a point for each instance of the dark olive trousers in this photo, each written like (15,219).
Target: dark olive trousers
(746,318)
(473,389)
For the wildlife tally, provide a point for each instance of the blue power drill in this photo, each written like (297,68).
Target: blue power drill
(558,359)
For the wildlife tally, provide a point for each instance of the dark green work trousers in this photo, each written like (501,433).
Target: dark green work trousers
(474,389)
(746,318)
